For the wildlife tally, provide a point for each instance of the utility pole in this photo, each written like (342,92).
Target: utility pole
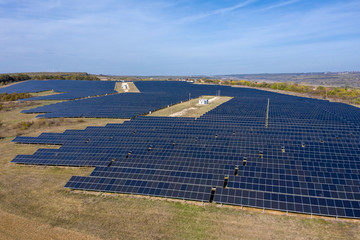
(267,114)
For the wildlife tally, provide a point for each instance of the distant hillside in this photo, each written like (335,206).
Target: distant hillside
(340,79)
(334,79)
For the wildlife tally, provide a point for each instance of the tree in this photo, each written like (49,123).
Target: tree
(5,78)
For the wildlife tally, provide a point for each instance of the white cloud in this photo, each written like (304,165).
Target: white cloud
(278,5)
(214,12)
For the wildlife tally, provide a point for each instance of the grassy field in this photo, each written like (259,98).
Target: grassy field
(45,93)
(35,205)
(191,108)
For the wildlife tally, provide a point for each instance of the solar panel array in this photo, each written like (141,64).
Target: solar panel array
(68,89)
(306,160)
(153,96)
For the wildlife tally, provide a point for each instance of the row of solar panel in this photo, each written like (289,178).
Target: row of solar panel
(183,158)
(65,89)
(252,159)
(286,143)
(285,202)
(163,88)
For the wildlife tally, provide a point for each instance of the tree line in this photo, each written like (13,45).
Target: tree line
(64,77)
(6,78)
(10,78)
(14,96)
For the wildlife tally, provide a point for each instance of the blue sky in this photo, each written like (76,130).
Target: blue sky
(179,37)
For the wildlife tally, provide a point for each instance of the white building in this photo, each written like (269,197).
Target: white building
(203,101)
(124,86)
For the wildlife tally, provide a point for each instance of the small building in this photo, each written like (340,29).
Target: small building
(124,86)
(203,101)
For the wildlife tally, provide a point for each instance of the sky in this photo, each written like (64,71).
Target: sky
(179,37)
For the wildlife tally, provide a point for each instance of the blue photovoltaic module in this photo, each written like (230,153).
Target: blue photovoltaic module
(260,149)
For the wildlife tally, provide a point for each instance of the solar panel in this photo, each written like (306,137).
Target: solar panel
(66,89)
(306,160)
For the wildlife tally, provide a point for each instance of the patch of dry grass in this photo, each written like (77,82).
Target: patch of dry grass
(131,87)
(191,108)
(45,93)
(10,113)
(15,227)
(118,87)
(14,123)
